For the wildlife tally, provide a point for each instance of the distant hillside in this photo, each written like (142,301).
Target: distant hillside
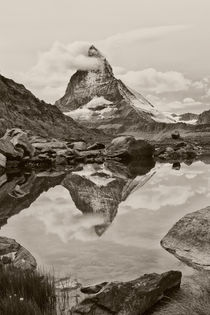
(20,108)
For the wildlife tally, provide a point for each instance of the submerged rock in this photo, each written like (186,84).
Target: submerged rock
(189,239)
(129,298)
(128,148)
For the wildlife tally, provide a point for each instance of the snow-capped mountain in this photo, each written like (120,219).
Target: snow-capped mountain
(97,99)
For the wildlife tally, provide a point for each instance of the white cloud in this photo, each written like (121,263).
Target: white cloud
(139,35)
(49,77)
(151,80)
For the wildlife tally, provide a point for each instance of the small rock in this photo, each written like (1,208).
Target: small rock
(93,288)
(79,145)
(176,166)
(6,260)
(175,135)
(169,150)
(96,146)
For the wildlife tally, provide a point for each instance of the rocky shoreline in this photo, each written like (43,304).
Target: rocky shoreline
(18,149)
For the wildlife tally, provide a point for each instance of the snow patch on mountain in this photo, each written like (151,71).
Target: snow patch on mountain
(142,104)
(98,106)
(100,176)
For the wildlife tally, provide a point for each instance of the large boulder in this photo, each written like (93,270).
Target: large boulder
(8,149)
(128,148)
(128,298)
(17,255)
(20,141)
(189,239)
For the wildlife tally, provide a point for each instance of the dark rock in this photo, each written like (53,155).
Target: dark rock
(6,260)
(179,145)
(8,150)
(128,148)
(175,135)
(176,166)
(96,146)
(130,298)
(93,289)
(189,239)
(8,245)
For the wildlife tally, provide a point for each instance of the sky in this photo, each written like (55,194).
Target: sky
(161,48)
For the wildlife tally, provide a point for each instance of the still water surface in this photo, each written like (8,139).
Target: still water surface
(102,225)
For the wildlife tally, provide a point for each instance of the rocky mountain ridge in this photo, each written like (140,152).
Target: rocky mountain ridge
(20,108)
(96,98)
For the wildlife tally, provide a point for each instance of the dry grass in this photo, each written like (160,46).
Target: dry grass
(26,292)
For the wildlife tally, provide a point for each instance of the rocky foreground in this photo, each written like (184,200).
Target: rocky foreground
(133,297)
(20,149)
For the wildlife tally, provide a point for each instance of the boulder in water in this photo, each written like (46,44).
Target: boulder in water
(189,239)
(128,148)
(132,297)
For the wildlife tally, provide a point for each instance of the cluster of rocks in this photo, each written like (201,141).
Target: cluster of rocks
(17,149)
(177,149)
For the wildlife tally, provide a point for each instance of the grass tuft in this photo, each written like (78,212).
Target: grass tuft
(26,292)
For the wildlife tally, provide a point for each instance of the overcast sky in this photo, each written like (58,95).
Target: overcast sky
(159,47)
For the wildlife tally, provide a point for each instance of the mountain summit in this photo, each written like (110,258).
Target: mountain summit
(98,99)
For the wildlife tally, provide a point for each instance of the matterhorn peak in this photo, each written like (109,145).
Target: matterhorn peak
(96,98)
(94,52)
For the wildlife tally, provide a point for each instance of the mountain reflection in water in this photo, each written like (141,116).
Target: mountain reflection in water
(103,222)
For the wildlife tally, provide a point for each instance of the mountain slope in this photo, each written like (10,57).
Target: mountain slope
(20,108)
(96,98)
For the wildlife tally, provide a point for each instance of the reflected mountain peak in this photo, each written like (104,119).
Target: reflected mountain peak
(96,189)
(99,189)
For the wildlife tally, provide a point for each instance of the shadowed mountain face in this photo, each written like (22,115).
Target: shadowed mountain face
(96,98)
(20,192)
(20,108)
(100,190)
